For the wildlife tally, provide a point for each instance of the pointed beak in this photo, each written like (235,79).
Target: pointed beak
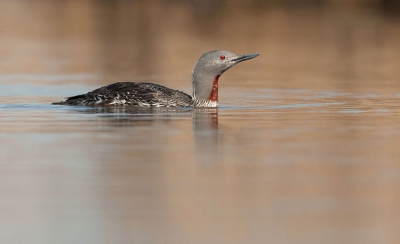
(245,57)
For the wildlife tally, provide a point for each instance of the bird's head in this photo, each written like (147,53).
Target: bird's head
(207,71)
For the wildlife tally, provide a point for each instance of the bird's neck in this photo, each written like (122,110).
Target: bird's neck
(214,92)
(205,90)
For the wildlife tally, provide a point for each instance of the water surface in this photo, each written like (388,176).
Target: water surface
(303,149)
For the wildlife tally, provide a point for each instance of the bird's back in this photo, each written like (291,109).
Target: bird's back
(132,94)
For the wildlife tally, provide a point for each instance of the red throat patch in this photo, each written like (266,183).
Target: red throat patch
(214,92)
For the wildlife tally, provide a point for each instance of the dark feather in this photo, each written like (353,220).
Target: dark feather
(133,94)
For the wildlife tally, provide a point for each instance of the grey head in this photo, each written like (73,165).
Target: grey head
(206,72)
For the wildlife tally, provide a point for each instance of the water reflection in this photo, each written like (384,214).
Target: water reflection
(205,130)
(205,120)
(204,123)
(133,116)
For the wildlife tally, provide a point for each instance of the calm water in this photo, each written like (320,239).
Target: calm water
(303,149)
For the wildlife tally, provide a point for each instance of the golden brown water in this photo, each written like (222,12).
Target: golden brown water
(304,148)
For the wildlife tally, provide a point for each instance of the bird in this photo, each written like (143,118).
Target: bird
(210,66)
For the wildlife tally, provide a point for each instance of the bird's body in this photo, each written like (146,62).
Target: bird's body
(132,94)
(205,87)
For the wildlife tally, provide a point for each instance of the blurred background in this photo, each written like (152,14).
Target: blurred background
(333,44)
(303,149)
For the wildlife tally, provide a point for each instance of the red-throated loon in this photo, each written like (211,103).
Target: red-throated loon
(206,72)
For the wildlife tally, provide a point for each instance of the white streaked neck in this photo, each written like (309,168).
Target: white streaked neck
(205,103)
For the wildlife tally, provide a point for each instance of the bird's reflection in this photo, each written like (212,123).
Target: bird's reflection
(204,122)
(205,130)
(125,116)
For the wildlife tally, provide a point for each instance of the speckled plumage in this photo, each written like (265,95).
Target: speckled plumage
(206,72)
(132,94)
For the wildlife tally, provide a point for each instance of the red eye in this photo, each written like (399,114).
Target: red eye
(222,57)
